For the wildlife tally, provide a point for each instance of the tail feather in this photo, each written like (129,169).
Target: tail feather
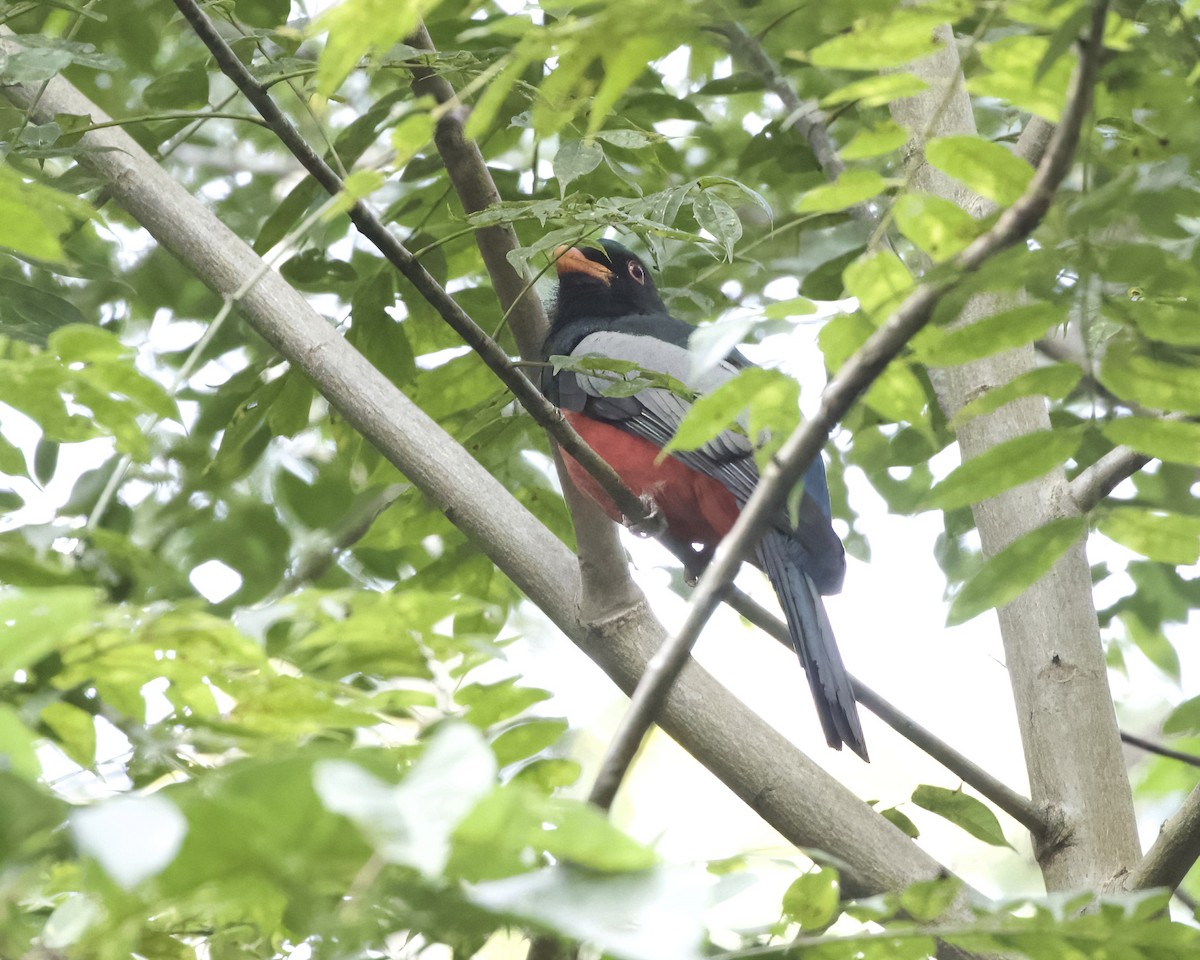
(813,641)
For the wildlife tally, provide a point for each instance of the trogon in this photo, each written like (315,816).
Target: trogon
(607,306)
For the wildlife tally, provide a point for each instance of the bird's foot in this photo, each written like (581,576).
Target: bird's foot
(654,524)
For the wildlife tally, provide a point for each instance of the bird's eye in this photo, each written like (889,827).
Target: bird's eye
(637,273)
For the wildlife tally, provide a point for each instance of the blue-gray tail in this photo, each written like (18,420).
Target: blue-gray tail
(813,641)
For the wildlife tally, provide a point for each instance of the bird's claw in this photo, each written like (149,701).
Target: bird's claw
(654,523)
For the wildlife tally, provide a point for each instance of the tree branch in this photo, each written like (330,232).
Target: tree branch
(607,584)
(1096,482)
(786,788)
(1175,851)
(798,451)
(804,116)
(1016,806)
(544,413)
(1157,748)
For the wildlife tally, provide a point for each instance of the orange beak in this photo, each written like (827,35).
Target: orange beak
(572,260)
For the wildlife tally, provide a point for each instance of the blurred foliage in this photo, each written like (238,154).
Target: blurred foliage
(259,648)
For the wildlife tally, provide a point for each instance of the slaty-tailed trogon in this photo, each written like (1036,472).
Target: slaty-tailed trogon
(608,306)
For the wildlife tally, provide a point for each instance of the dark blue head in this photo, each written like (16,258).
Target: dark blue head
(606,280)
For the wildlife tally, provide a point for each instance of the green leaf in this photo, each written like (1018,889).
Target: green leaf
(1175,322)
(583,835)
(962,810)
(28,811)
(1174,441)
(496,837)
(900,821)
(83,343)
(411,823)
(357,186)
(1055,382)
(878,44)
(783,309)
(33,622)
(936,226)
(74,729)
(262,13)
(880,282)
(986,337)
(245,438)
(547,774)
(488,703)
(1134,373)
(12,460)
(358,27)
(927,900)
(30,314)
(718,218)
(376,334)
(627,139)
(32,57)
(1005,466)
(1013,64)
(1167,537)
(853,187)
(772,397)
(1007,574)
(875,141)
(34,65)
(812,899)
(897,393)
(185,89)
(411,135)
(288,414)
(876,91)
(575,158)
(650,915)
(989,169)
(17,753)
(34,217)
(625,378)
(623,63)
(525,739)
(1184,719)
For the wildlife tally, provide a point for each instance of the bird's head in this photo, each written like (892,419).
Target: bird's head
(603,281)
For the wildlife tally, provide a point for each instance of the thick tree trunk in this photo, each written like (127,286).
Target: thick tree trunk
(1051,636)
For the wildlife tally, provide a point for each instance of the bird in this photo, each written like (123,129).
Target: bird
(607,305)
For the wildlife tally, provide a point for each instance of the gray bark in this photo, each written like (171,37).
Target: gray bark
(1051,636)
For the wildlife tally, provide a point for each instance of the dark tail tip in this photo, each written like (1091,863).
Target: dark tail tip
(812,637)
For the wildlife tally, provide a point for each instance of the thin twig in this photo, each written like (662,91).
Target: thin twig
(176,115)
(1020,808)
(351,528)
(788,466)
(1175,851)
(1157,748)
(804,116)
(543,412)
